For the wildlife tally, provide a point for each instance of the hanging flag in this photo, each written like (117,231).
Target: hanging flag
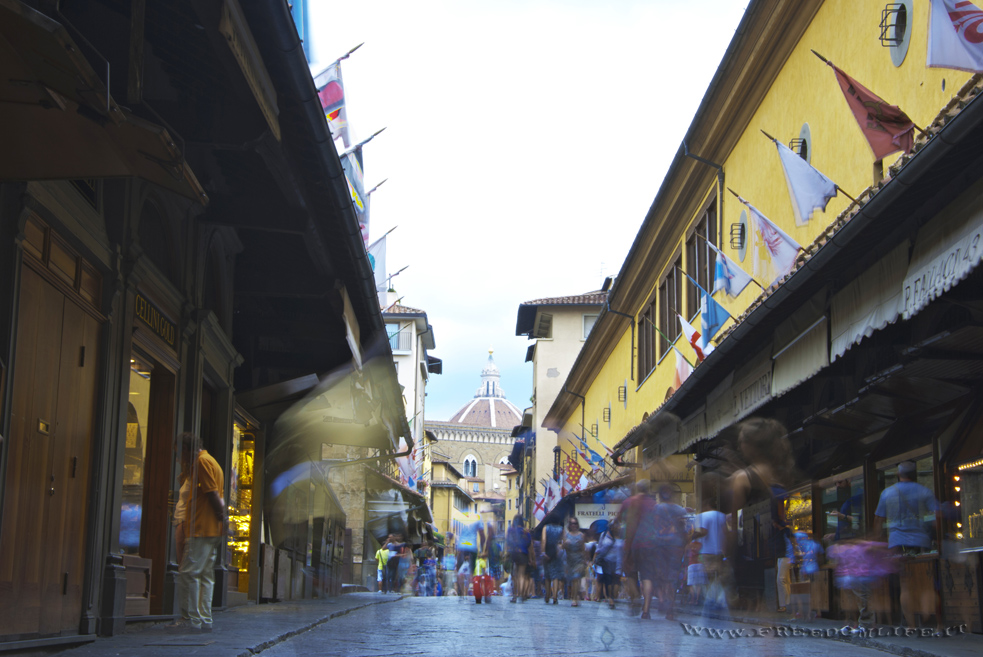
(885,126)
(782,249)
(807,187)
(712,317)
(588,454)
(693,337)
(955,36)
(539,510)
(727,276)
(573,472)
(331,92)
(407,468)
(351,162)
(377,258)
(584,482)
(683,370)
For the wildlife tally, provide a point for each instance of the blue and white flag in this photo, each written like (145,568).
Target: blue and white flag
(712,317)
(728,276)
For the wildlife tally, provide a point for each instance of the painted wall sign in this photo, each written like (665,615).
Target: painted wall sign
(150,315)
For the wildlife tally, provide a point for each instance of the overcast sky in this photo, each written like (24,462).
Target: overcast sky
(525,141)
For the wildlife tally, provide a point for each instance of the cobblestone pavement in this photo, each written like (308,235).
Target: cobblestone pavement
(452,626)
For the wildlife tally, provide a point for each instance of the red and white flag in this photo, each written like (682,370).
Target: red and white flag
(693,337)
(683,370)
(886,128)
(331,92)
(955,36)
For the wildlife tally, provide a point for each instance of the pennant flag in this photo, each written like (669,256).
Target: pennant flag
(553,493)
(573,472)
(712,317)
(331,91)
(352,164)
(588,454)
(407,468)
(539,511)
(885,126)
(955,36)
(683,370)
(584,482)
(727,276)
(693,337)
(808,188)
(782,249)
(377,258)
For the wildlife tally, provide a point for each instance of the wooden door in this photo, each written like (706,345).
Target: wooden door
(46,491)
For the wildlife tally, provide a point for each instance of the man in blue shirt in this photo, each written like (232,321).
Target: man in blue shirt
(908,509)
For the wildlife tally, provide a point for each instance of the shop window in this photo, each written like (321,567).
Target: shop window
(843,509)
(700,258)
(967,496)
(135,455)
(241,500)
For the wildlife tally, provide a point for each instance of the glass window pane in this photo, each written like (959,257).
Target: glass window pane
(134,456)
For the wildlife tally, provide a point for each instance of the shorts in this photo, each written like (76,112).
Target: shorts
(696,575)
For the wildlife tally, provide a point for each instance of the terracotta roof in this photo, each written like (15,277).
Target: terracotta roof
(595,298)
(489,412)
(398,309)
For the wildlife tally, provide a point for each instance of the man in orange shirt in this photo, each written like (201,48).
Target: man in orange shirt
(204,528)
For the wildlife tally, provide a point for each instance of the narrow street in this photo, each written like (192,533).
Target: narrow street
(452,626)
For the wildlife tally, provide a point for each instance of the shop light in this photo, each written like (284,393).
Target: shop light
(959,525)
(967,466)
(956,478)
(956,489)
(957,503)
(959,535)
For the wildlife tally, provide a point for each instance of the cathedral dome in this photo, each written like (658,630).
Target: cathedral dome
(489,407)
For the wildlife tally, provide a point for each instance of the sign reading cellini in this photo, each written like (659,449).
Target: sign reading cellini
(150,315)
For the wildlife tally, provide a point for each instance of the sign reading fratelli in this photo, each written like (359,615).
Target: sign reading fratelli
(945,252)
(150,315)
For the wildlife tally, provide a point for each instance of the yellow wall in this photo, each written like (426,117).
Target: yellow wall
(804,91)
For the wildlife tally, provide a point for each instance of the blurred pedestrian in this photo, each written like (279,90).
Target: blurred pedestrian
(670,538)
(764,445)
(607,557)
(909,511)
(552,564)
(712,527)
(382,560)
(518,542)
(574,544)
(638,512)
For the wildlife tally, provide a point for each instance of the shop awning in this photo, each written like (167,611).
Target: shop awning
(58,120)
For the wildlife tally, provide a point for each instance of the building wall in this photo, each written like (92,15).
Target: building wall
(804,91)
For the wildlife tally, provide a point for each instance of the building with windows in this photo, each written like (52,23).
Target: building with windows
(479,436)
(559,326)
(451,500)
(863,337)
(178,252)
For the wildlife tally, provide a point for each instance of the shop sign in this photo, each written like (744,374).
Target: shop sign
(753,391)
(589,513)
(693,429)
(150,315)
(940,263)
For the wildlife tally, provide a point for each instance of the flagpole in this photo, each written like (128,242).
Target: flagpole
(347,54)
(746,204)
(363,143)
(710,244)
(375,188)
(672,345)
(380,237)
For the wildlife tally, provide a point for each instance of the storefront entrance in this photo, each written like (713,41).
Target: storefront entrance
(46,492)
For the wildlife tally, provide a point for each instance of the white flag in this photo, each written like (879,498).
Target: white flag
(808,188)
(782,249)
(683,370)
(377,258)
(728,276)
(955,36)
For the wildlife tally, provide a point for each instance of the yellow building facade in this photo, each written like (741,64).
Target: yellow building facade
(769,80)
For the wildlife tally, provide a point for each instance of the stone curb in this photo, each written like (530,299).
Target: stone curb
(280,638)
(873,644)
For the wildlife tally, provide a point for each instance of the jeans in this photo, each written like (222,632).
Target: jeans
(196,578)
